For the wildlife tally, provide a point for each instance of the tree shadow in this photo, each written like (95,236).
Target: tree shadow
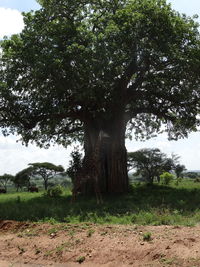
(143,198)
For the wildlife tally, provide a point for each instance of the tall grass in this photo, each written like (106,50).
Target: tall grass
(155,205)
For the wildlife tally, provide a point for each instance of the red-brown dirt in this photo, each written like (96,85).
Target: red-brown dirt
(39,245)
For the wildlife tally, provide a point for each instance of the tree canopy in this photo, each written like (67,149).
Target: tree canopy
(4,179)
(179,169)
(78,61)
(46,170)
(22,178)
(151,163)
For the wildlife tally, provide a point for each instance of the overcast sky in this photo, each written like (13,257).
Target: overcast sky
(14,157)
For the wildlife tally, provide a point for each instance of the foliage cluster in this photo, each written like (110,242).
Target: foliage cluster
(22,178)
(4,180)
(55,191)
(89,57)
(75,163)
(151,163)
(166,178)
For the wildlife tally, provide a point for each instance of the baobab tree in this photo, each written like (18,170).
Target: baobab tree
(127,67)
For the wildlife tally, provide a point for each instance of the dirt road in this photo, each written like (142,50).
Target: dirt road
(67,245)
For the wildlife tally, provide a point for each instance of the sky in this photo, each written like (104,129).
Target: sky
(14,157)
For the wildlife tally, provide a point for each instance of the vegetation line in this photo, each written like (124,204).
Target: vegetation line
(143,205)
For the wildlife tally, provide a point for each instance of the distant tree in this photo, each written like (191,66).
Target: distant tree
(46,170)
(18,182)
(23,177)
(192,175)
(179,169)
(4,179)
(150,163)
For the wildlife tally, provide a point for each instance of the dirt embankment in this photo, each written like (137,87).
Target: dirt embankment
(39,245)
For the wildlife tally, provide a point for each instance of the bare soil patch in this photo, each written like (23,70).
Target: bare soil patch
(37,245)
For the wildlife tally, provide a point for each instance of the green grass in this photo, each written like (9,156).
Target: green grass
(144,205)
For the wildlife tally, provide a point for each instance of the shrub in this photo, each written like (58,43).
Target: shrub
(147,236)
(75,163)
(55,191)
(80,259)
(166,178)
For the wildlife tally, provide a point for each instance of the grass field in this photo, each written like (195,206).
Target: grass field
(144,205)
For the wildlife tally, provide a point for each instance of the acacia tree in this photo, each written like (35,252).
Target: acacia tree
(4,179)
(121,66)
(179,169)
(23,177)
(150,163)
(46,170)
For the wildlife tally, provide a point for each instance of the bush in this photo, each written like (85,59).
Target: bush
(166,178)
(55,191)
(80,259)
(75,163)
(147,236)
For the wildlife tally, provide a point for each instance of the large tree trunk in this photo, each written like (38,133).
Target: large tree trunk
(114,166)
(113,156)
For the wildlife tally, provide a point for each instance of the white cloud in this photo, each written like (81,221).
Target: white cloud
(11,22)
(14,157)
(184,6)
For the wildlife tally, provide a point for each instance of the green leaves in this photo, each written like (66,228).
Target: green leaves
(74,63)
(151,163)
(46,170)
(46,166)
(4,179)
